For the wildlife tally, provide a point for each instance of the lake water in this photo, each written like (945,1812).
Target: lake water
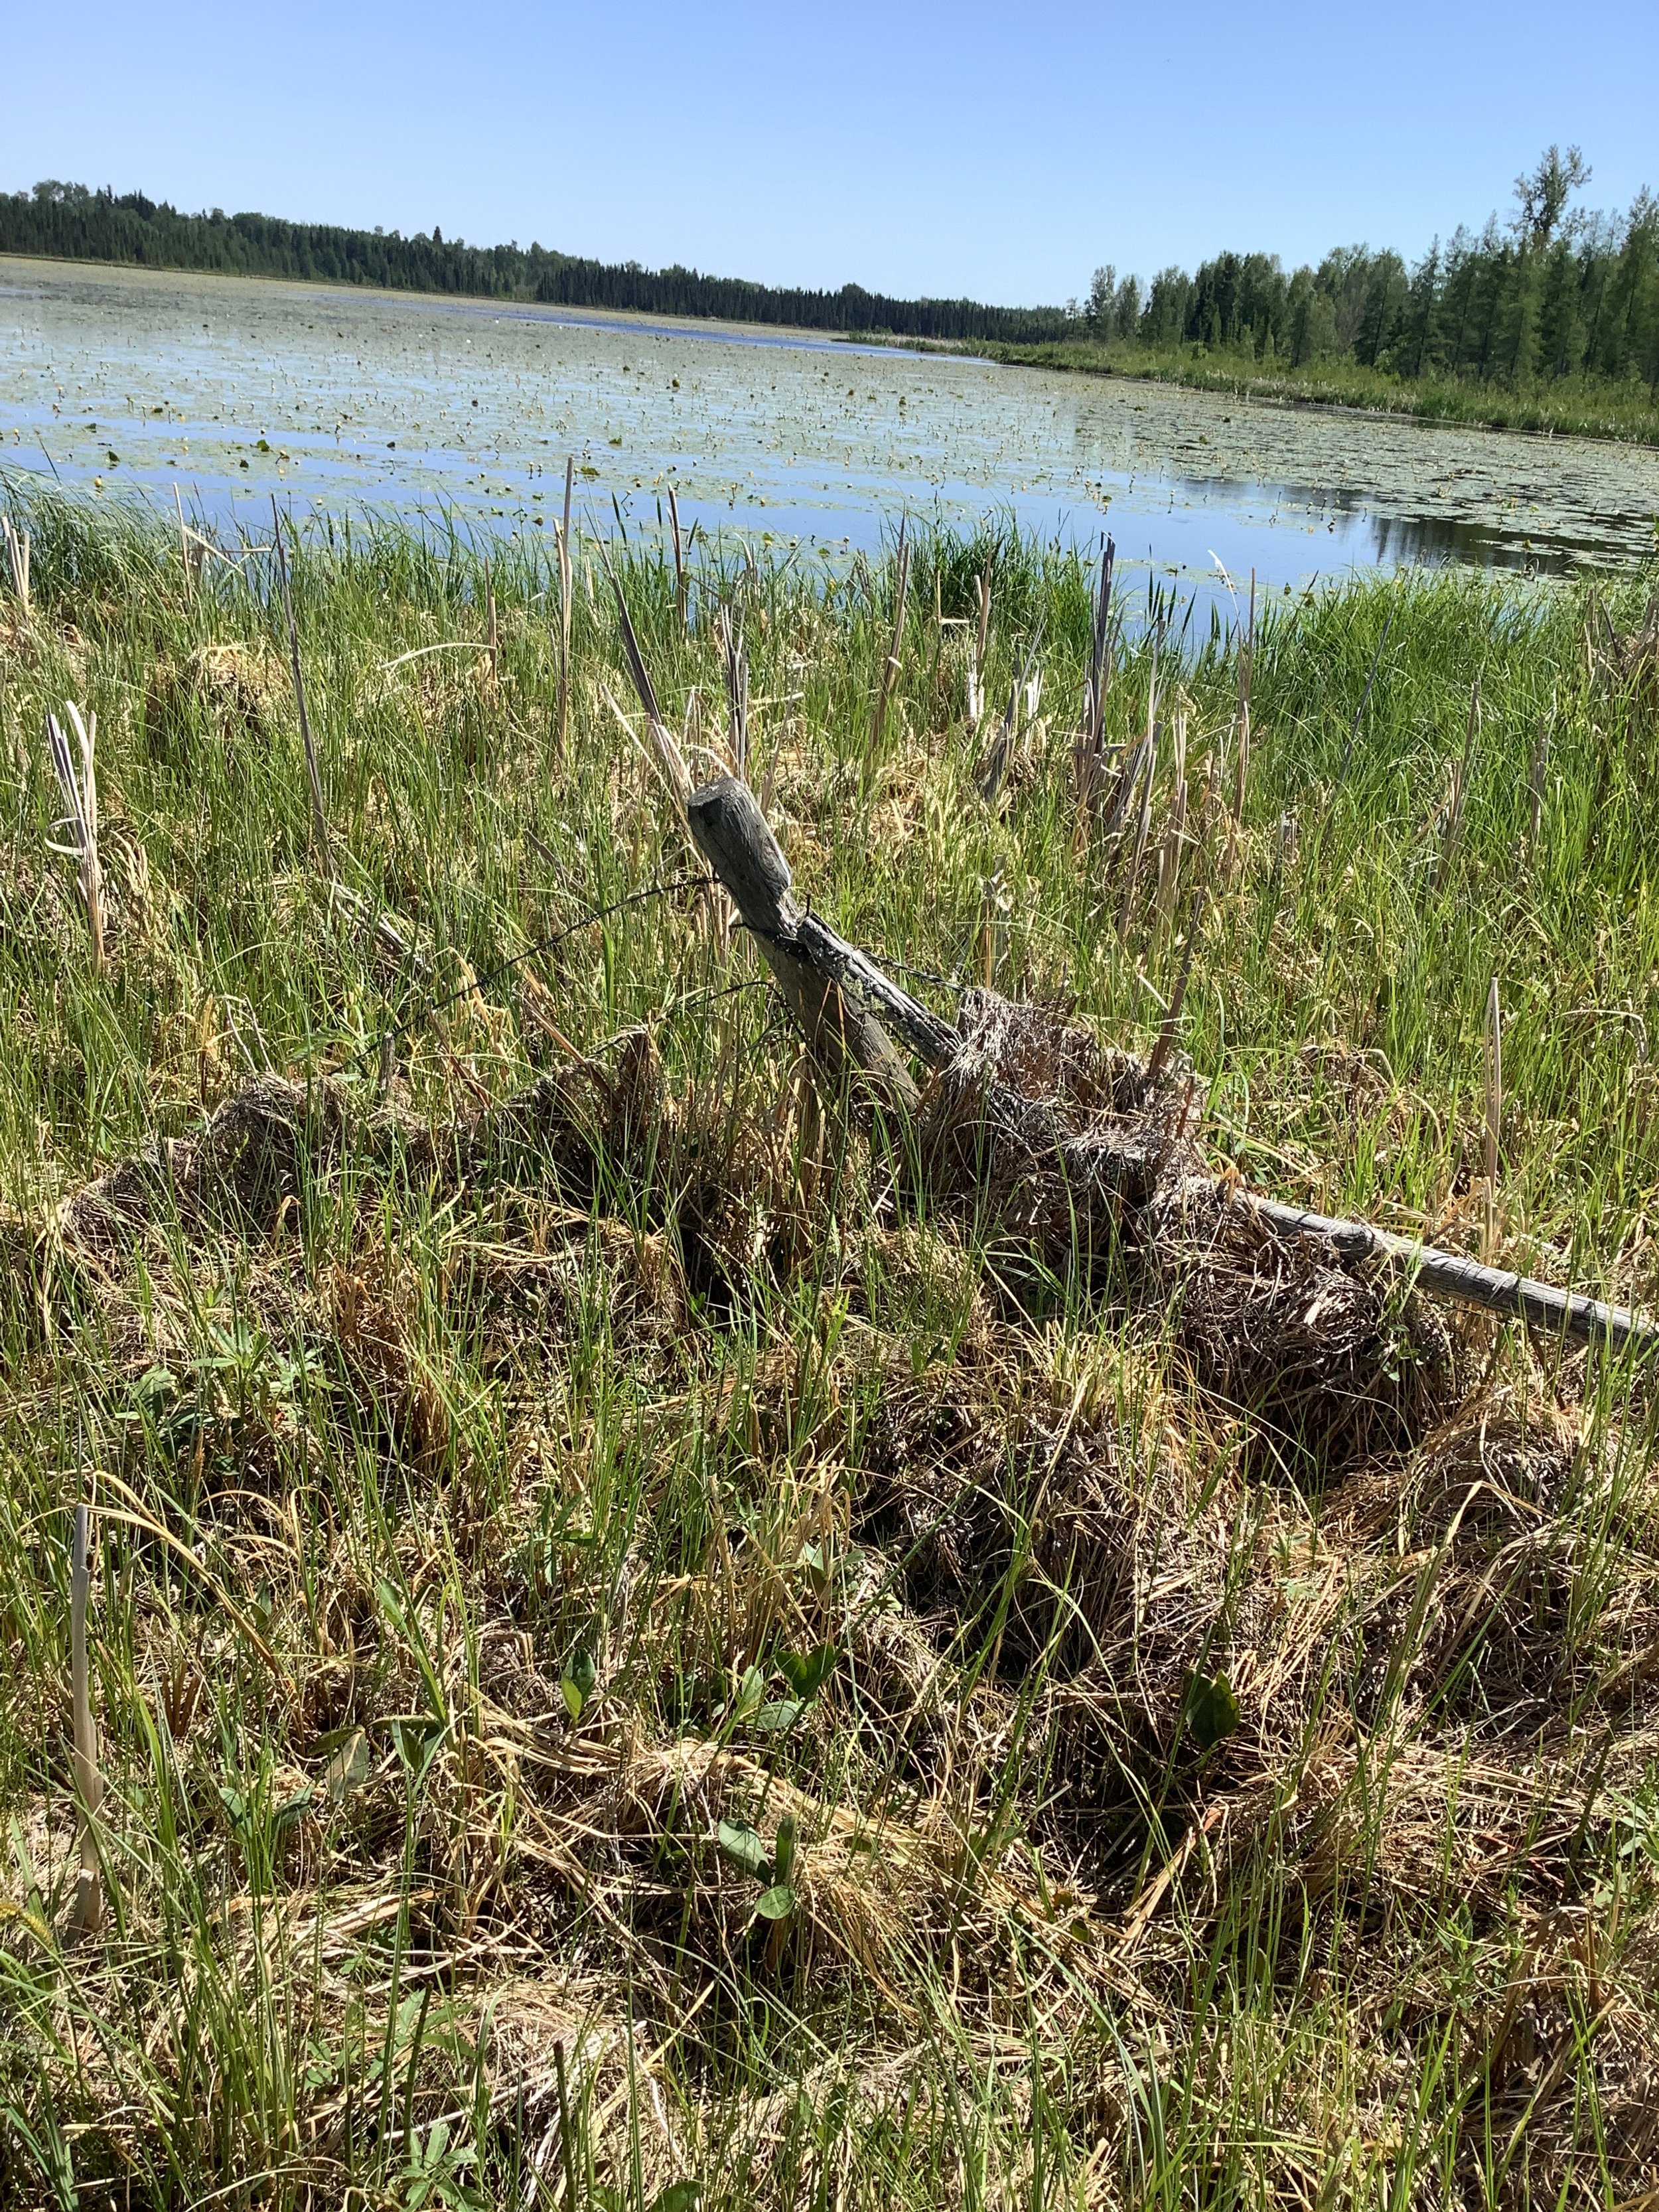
(227,390)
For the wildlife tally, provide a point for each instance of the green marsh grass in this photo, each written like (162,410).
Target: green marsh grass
(1564,407)
(493,1501)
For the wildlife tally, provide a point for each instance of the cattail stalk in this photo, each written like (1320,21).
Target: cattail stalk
(976,702)
(890,665)
(1143,830)
(561,543)
(1088,752)
(682,582)
(1169,858)
(314,776)
(17,559)
(736,663)
(1169,1028)
(992,927)
(670,758)
(1458,793)
(186,559)
(1536,772)
(78,786)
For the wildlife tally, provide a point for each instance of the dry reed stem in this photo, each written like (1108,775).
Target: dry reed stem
(1457,794)
(314,774)
(1537,768)
(1088,751)
(1142,832)
(682,578)
(670,758)
(17,559)
(735,664)
(975,702)
(79,790)
(87,1911)
(891,666)
(1169,858)
(561,546)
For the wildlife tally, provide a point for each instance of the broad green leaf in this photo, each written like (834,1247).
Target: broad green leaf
(776,1903)
(782,1713)
(678,2196)
(348,1766)
(577,1682)
(416,1736)
(750,1690)
(806,1676)
(292,1810)
(1211,1709)
(743,1847)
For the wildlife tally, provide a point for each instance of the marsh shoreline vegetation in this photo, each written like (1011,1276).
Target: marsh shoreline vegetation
(1567,407)
(659,1632)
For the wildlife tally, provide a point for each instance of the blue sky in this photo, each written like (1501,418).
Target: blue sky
(999,151)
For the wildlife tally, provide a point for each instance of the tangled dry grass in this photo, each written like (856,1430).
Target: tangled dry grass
(1238,1620)
(659,1634)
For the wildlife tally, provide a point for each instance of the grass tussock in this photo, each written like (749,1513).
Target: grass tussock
(661,1633)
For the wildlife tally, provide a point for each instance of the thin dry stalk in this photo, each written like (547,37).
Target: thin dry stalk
(1169,1028)
(1175,836)
(1142,832)
(1494,1117)
(187,561)
(318,815)
(682,582)
(561,546)
(975,707)
(88,1911)
(1241,760)
(1128,776)
(1088,753)
(17,559)
(890,665)
(1027,691)
(78,786)
(1457,796)
(670,758)
(1359,711)
(736,664)
(1538,769)
(993,926)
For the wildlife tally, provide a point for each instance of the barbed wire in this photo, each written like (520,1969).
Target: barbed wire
(387,1035)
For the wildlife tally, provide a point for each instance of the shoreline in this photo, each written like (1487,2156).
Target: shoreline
(1271,393)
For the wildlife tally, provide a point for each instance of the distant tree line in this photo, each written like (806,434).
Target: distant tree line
(72,224)
(1552,292)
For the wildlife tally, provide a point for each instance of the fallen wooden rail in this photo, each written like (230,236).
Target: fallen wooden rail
(1555,1313)
(840,999)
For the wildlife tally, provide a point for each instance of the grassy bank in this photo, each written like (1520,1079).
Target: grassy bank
(652,1639)
(1575,407)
